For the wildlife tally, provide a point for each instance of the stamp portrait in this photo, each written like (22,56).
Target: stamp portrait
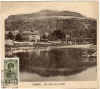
(11,70)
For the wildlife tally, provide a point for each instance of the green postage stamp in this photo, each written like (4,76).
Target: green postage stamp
(11,71)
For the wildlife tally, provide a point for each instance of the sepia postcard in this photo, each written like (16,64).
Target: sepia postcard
(49,44)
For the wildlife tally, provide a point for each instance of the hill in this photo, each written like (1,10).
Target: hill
(72,23)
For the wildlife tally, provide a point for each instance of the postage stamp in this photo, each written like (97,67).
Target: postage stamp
(11,71)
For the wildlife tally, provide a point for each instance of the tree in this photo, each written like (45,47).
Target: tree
(10,35)
(59,34)
(18,37)
(44,37)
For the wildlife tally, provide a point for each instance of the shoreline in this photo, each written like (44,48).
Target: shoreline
(31,48)
(63,46)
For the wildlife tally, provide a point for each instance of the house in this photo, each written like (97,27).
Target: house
(30,36)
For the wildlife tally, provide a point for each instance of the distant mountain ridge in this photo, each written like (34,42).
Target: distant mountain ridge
(46,13)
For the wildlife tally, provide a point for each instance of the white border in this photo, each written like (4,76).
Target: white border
(49,0)
(53,0)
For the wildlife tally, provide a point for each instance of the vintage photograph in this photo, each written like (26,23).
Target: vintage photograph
(54,41)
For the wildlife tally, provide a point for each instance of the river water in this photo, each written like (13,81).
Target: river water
(60,64)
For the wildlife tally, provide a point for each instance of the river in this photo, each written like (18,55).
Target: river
(60,64)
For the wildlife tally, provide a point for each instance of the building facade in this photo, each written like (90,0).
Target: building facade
(30,36)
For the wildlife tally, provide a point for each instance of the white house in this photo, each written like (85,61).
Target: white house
(30,36)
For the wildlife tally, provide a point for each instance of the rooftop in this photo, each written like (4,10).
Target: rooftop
(30,33)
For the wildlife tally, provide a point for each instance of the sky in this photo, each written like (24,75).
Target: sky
(89,9)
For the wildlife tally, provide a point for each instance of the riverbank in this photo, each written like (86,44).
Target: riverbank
(60,44)
(52,47)
(27,49)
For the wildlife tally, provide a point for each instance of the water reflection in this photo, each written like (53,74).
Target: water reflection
(53,62)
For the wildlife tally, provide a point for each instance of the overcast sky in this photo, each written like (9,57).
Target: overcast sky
(88,9)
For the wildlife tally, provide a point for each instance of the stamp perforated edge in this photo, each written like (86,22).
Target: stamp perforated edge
(18,64)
